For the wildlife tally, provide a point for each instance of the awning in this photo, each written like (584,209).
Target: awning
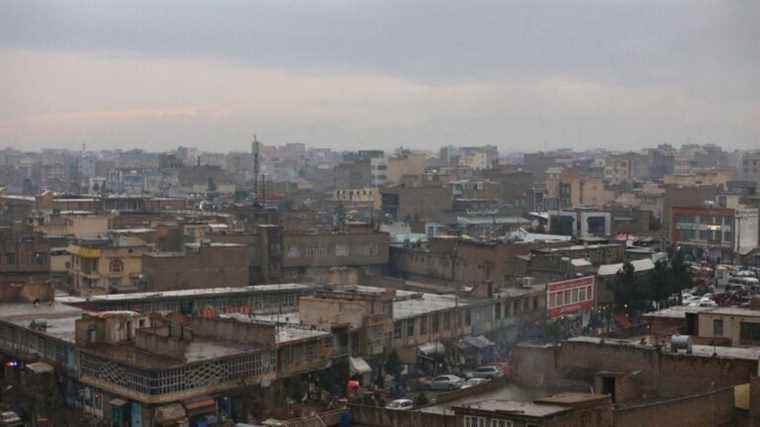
(40,368)
(359,366)
(431,348)
(203,405)
(170,413)
(117,403)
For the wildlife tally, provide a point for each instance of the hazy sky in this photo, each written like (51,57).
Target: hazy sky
(523,75)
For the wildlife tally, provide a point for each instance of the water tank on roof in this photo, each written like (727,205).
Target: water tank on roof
(681,342)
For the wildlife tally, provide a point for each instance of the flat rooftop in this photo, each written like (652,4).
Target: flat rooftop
(288,328)
(751,353)
(60,318)
(676,312)
(566,399)
(188,293)
(525,409)
(679,311)
(423,303)
(508,392)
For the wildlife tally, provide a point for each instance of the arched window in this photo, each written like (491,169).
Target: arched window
(116,265)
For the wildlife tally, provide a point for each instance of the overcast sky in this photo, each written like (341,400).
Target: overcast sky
(523,75)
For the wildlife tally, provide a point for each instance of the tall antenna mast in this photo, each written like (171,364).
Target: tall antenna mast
(255,149)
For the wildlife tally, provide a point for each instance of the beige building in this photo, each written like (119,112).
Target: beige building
(359,197)
(102,269)
(72,223)
(408,163)
(694,178)
(585,191)
(618,169)
(734,326)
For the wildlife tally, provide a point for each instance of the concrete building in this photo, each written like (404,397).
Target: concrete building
(715,233)
(130,368)
(99,267)
(715,177)
(405,163)
(581,223)
(76,224)
(416,204)
(565,409)
(750,166)
(24,254)
(200,265)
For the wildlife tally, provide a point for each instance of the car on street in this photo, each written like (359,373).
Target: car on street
(489,372)
(446,382)
(474,381)
(400,405)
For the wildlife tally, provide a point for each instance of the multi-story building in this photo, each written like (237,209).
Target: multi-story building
(750,166)
(581,223)
(715,233)
(24,254)
(101,267)
(618,169)
(146,368)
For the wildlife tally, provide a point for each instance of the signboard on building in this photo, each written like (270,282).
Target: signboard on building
(570,296)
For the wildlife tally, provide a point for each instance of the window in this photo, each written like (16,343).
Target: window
(589,293)
(436,320)
(410,328)
(423,325)
(497,310)
(718,327)
(11,258)
(749,333)
(558,299)
(467,317)
(535,303)
(568,297)
(575,295)
(116,265)
(397,330)
(582,294)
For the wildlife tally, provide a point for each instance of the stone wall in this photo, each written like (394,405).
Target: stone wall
(657,373)
(211,266)
(714,408)
(376,416)
(232,330)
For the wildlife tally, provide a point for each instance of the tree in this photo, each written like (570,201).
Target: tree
(393,363)
(681,275)
(631,290)
(552,330)
(661,281)
(421,399)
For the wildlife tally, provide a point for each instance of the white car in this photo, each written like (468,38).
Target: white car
(400,405)
(475,381)
(446,382)
(489,372)
(707,302)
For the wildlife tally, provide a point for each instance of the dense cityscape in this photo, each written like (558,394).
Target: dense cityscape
(302,284)
(268,213)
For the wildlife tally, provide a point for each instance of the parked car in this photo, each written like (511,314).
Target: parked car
(489,372)
(446,382)
(474,381)
(10,419)
(400,405)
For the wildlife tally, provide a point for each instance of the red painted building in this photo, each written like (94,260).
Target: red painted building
(570,296)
